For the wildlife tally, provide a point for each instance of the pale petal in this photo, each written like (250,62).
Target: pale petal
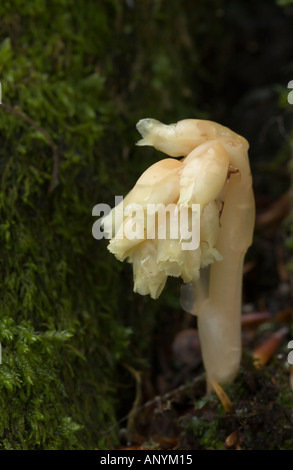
(203,177)
(176,140)
(148,278)
(191,266)
(161,136)
(169,257)
(120,245)
(159,183)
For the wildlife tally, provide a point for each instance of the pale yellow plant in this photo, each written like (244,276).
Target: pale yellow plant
(215,173)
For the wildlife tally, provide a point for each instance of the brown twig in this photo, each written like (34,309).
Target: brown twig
(223,397)
(263,353)
(158,399)
(255,318)
(55,171)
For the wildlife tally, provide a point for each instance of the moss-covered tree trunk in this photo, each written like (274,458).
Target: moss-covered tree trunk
(73,86)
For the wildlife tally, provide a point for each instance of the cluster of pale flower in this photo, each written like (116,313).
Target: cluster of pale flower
(197,179)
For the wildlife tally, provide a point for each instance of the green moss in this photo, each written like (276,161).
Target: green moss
(78,78)
(60,331)
(262,403)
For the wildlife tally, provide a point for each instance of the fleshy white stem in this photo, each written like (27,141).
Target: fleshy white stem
(219,316)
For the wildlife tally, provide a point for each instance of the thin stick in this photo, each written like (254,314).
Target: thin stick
(159,399)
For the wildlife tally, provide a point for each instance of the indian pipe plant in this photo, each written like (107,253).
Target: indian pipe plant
(214,173)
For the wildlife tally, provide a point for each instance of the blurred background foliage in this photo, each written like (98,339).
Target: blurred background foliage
(78,75)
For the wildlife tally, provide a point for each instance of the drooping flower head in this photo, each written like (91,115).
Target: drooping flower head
(197,178)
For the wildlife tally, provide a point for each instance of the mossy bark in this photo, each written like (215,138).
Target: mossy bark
(75,78)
